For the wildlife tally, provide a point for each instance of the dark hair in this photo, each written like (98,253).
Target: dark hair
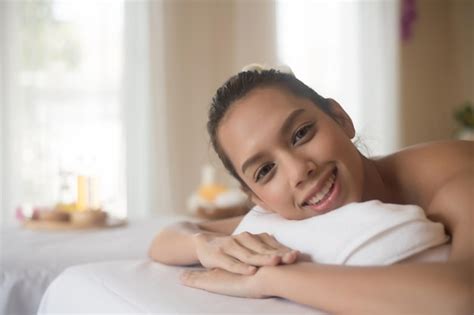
(238,86)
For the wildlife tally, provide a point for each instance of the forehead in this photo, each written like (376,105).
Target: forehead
(252,124)
(261,105)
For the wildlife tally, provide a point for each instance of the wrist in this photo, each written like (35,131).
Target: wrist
(203,237)
(265,283)
(201,241)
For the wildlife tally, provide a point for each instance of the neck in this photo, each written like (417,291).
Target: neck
(374,185)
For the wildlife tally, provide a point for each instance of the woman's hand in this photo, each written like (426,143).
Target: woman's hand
(224,282)
(242,253)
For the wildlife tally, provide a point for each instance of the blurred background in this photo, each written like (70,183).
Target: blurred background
(116,92)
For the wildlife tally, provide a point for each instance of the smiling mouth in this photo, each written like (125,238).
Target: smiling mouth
(323,194)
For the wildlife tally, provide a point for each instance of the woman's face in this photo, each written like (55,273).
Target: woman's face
(297,160)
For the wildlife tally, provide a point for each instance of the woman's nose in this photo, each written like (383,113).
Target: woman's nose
(299,170)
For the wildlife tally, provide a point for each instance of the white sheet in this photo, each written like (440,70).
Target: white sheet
(31,260)
(147,287)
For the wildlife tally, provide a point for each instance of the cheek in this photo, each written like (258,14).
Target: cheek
(275,192)
(326,147)
(275,195)
(352,165)
(335,147)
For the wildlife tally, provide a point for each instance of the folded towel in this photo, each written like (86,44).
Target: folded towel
(367,233)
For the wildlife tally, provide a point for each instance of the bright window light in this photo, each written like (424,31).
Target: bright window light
(68,118)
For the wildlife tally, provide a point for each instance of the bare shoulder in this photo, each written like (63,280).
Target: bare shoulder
(417,172)
(439,177)
(451,156)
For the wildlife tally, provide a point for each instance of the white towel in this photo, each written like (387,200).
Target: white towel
(363,234)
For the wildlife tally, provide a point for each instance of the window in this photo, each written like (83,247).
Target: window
(64,117)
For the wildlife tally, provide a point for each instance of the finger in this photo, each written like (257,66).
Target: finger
(248,256)
(191,278)
(271,241)
(199,278)
(255,244)
(288,255)
(232,264)
(219,281)
(196,279)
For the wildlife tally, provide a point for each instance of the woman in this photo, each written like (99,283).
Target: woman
(292,152)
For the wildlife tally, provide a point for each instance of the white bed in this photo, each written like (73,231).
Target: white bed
(31,260)
(141,286)
(146,287)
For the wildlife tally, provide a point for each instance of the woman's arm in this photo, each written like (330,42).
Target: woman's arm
(453,205)
(436,288)
(417,288)
(175,244)
(211,244)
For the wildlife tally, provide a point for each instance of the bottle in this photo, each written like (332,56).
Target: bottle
(66,198)
(209,190)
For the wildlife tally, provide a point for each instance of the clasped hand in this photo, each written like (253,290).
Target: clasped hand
(232,261)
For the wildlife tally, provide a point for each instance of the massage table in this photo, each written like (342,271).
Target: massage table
(31,259)
(143,286)
(146,287)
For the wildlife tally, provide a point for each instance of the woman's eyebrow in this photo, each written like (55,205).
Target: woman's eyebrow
(289,121)
(285,128)
(253,159)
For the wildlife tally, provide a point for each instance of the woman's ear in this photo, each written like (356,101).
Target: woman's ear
(342,118)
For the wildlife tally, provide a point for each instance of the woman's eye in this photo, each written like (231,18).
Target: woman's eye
(301,133)
(263,171)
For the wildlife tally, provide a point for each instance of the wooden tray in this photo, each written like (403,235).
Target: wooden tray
(65,226)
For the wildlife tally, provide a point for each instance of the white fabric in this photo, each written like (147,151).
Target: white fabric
(146,287)
(368,233)
(152,288)
(31,260)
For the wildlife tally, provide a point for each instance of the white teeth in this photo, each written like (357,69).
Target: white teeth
(320,195)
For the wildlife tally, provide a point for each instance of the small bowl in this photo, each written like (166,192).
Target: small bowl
(88,218)
(53,215)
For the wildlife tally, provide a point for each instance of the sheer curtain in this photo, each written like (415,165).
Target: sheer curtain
(85,96)
(145,110)
(61,103)
(347,50)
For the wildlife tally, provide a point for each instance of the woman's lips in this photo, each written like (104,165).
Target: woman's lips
(326,203)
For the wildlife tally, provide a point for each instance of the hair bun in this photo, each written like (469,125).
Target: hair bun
(259,68)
